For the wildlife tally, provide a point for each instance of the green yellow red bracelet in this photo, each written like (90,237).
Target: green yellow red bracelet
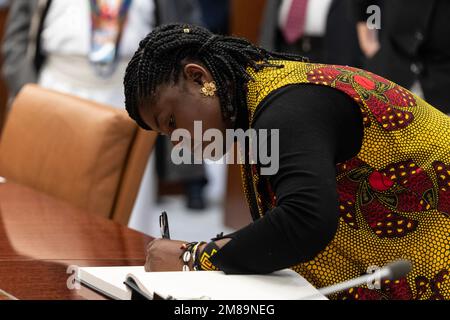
(203,259)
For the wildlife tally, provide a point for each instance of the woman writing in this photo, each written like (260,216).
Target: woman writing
(364,165)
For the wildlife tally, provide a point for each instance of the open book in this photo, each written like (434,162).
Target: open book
(125,283)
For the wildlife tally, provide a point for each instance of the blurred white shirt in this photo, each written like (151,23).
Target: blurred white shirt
(67,27)
(316,16)
(66,40)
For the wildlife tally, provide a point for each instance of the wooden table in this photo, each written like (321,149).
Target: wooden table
(41,236)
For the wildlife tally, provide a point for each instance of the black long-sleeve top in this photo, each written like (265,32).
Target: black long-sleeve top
(318,128)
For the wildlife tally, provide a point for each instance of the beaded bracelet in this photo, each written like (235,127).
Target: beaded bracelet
(195,252)
(201,261)
(204,259)
(187,254)
(190,252)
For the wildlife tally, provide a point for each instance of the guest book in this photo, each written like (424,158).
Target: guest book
(125,283)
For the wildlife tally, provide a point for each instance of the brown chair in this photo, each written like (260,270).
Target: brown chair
(90,155)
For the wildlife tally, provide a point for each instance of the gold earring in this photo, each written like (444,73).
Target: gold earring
(209,89)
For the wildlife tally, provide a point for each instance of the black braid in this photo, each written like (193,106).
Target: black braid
(159,57)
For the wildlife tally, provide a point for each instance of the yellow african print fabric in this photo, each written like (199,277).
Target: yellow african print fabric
(394,196)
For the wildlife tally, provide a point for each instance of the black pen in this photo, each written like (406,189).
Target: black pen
(164,225)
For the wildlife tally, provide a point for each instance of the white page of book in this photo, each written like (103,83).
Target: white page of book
(281,285)
(109,280)
(284,284)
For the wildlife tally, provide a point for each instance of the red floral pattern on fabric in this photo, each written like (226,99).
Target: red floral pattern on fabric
(349,165)
(397,289)
(428,288)
(443,177)
(360,294)
(391,290)
(386,223)
(347,199)
(417,188)
(386,100)
(431,287)
(382,195)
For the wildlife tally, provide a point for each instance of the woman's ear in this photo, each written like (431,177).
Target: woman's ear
(196,73)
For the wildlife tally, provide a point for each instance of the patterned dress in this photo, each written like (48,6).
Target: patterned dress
(394,196)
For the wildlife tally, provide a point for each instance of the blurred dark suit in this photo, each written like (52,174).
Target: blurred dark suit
(216,15)
(341,41)
(415,45)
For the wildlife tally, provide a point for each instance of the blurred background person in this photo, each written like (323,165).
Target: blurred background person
(295,26)
(412,47)
(216,15)
(82,47)
(71,45)
(341,41)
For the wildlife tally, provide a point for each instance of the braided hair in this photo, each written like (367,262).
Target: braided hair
(159,60)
